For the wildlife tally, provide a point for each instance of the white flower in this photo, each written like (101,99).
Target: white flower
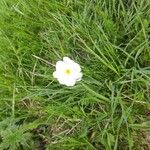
(67,72)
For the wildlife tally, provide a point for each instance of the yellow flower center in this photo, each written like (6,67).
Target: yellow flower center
(67,71)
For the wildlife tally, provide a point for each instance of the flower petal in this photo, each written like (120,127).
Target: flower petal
(55,74)
(79,76)
(72,83)
(67,81)
(76,67)
(67,59)
(60,65)
(72,64)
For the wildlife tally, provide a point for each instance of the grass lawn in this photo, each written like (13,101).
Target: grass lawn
(109,108)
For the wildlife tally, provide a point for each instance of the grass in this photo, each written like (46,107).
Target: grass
(109,108)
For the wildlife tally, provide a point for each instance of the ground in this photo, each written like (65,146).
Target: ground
(109,108)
